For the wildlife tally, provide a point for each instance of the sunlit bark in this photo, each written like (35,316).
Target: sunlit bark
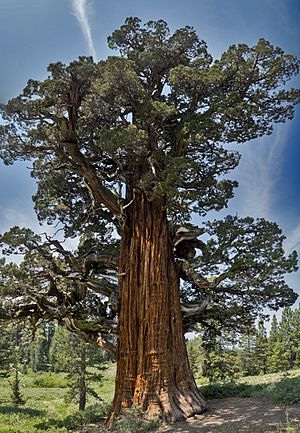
(152,365)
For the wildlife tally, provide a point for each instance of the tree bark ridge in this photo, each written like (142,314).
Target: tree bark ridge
(152,365)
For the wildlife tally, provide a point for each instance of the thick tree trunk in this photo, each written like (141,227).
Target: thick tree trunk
(82,381)
(152,366)
(82,394)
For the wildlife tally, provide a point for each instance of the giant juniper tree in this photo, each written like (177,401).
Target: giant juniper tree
(124,152)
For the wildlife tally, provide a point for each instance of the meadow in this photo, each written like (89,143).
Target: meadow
(47,411)
(46,408)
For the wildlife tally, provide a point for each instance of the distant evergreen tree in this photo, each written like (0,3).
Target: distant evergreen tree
(196,355)
(256,352)
(40,356)
(261,349)
(68,353)
(275,350)
(6,350)
(14,382)
(60,351)
(80,377)
(286,340)
(14,336)
(274,330)
(16,395)
(296,336)
(246,353)
(221,361)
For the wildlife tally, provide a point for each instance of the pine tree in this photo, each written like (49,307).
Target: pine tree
(40,347)
(14,382)
(286,340)
(274,347)
(195,355)
(6,350)
(68,353)
(246,353)
(296,336)
(61,351)
(16,395)
(221,361)
(261,349)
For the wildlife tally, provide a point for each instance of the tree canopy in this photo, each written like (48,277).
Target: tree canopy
(155,119)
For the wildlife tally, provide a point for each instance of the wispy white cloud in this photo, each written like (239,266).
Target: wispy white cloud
(82,13)
(11,216)
(259,172)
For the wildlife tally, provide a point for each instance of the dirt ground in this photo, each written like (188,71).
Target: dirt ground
(233,415)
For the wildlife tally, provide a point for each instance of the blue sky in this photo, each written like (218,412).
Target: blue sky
(37,32)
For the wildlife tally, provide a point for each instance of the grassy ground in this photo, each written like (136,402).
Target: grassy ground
(45,409)
(278,388)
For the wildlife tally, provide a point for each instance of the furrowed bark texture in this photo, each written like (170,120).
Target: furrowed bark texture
(152,365)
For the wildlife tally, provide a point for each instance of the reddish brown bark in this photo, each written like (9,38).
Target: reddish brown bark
(152,365)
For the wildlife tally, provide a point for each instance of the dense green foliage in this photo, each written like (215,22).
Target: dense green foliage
(253,353)
(6,351)
(50,348)
(68,353)
(135,421)
(10,360)
(154,122)
(16,395)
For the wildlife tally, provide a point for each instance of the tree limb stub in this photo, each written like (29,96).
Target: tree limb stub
(195,309)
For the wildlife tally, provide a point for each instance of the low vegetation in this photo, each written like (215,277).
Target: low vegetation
(38,377)
(46,410)
(135,421)
(280,388)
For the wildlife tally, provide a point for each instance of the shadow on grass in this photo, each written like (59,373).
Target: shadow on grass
(21,410)
(93,414)
(285,391)
(70,422)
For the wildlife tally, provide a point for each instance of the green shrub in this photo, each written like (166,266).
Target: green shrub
(223,390)
(16,395)
(48,380)
(285,391)
(92,414)
(135,421)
